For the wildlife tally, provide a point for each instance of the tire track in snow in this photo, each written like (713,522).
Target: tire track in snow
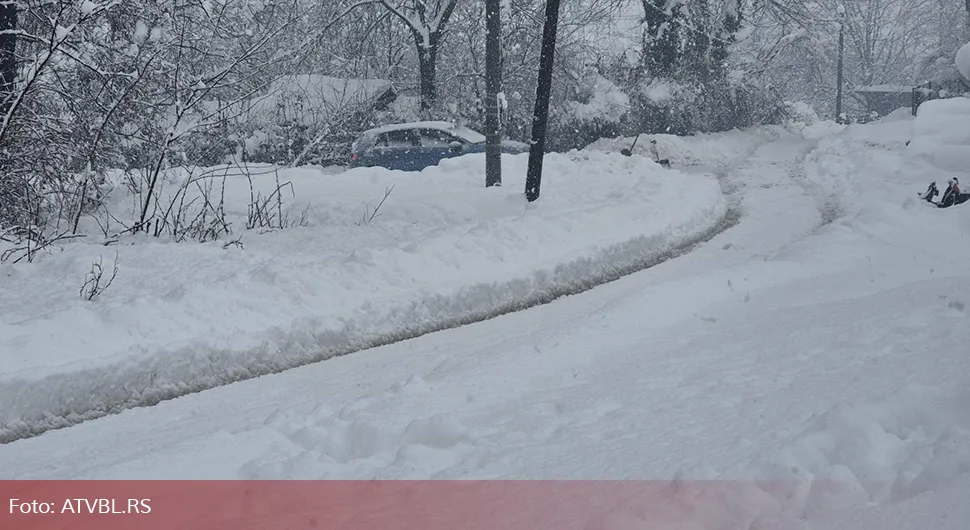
(775,171)
(828,203)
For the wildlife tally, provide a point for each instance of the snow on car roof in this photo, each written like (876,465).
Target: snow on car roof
(465,133)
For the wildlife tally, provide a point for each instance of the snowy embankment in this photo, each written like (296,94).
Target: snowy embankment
(441,251)
(941,137)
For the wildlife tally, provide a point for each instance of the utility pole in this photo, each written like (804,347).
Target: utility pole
(838,90)
(493,85)
(540,117)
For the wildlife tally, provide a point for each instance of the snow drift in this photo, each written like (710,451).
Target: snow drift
(441,251)
(941,136)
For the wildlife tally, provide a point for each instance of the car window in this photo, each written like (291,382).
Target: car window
(436,138)
(398,139)
(364,143)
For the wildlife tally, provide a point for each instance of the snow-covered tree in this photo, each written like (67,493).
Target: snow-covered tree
(427,21)
(135,85)
(794,45)
(963,61)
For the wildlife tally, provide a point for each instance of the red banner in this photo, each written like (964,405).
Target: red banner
(403,505)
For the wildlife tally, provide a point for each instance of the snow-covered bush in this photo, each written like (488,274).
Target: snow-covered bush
(105,85)
(311,119)
(597,112)
(963,60)
(668,107)
(802,113)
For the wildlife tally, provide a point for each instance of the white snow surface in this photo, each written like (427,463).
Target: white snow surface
(940,137)
(441,251)
(811,360)
(963,60)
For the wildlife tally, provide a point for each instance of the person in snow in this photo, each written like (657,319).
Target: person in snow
(952,195)
(655,150)
(931,192)
(959,197)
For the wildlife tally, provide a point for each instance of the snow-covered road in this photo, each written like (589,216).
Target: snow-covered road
(823,338)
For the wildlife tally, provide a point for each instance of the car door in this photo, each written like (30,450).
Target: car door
(397,150)
(437,145)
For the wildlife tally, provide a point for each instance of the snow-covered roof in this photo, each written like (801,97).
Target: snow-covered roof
(886,89)
(461,131)
(316,98)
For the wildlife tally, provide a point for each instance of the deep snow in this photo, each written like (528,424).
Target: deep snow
(442,251)
(940,139)
(811,358)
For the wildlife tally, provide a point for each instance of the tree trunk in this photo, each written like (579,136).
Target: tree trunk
(8,57)
(427,28)
(493,85)
(540,117)
(427,66)
(840,75)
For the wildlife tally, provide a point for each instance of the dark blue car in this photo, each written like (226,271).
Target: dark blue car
(415,146)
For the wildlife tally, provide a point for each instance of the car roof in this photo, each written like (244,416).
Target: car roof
(458,130)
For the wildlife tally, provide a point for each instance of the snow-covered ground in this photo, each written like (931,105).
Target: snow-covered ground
(441,251)
(812,358)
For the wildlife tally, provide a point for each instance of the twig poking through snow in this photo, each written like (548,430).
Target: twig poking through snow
(368,217)
(92,287)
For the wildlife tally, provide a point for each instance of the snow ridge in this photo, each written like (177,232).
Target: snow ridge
(55,401)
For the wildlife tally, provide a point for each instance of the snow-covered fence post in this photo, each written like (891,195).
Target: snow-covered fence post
(493,86)
(540,118)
